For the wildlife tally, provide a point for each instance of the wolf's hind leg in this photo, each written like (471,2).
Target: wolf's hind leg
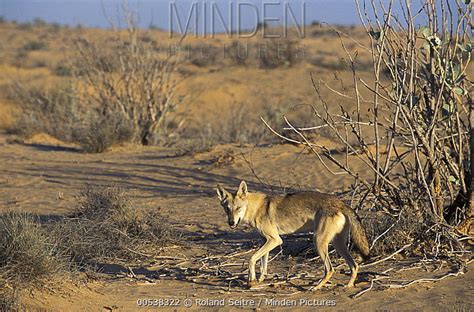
(322,247)
(340,243)
(325,228)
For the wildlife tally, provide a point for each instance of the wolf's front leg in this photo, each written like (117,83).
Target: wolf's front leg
(263,267)
(252,276)
(271,243)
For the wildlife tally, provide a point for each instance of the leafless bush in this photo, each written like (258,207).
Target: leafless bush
(106,226)
(415,141)
(118,90)
(129,79)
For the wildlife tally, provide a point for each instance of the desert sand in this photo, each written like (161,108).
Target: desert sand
(182,187)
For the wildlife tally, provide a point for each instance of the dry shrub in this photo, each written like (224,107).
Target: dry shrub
(203,55)
(277,53)
(58,113)
(28,255)
(34,45)
(8,301)
(49,111)
(189,147)
(244,126)
(118,90)
(399,230)
(414,144)
(129,79)
(107,227)
(239,125)
(62,69)
(97,134)
(238,53)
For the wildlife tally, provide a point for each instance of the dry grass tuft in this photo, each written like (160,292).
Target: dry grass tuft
(29,258)
(106,227)
(189,147)
(28,255)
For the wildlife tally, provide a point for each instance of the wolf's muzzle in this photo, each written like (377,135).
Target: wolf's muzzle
(233,224)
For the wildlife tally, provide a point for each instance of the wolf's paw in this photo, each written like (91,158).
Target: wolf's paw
(261,279)
(252,284)
(315,288)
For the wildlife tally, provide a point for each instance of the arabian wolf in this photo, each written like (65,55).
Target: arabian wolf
(330,218)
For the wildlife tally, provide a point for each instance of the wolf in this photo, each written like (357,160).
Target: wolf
(325,214)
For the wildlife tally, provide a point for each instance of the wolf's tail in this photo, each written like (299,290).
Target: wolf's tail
(358,234)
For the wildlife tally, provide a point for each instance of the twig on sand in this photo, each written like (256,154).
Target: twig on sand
(363,291)
(421,280)
(137,252)
(386,258)
(132,274)
(168,258)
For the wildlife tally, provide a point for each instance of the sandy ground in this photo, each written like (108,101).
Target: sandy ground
(42,178)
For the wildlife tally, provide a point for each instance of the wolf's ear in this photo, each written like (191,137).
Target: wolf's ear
(221,192)
(242,192)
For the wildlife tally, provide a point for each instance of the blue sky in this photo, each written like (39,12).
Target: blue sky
(97,13)
(93,12)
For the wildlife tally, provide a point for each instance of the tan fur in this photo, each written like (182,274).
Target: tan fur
(272,216)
